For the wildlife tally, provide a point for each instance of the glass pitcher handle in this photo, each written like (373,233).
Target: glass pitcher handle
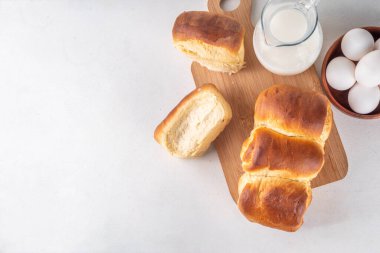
(309,3)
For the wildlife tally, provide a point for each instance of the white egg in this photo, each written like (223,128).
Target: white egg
(340,73)
(367,71)
(377,44)
(363,99)
(356,43)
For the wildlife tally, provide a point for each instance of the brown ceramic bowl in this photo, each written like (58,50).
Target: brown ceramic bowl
(340,98)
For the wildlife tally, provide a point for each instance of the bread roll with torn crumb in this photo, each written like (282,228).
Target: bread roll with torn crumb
(215,41)
(190,128)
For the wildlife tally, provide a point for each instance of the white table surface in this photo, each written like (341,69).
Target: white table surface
(83,85)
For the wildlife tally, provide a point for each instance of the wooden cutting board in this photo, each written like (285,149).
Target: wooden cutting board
(241,90)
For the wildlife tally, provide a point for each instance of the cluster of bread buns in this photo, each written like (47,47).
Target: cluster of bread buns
(284,152)
(215,41)
(194,123)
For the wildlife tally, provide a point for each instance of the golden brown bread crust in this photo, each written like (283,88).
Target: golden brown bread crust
(267,152)
(295,112)
(215,29)
(283,153)
(274,202)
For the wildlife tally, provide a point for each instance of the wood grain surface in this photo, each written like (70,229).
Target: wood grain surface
(241,90)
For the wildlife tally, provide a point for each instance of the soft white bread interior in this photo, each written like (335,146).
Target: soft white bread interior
(194,123)
(215,41)
(212,57)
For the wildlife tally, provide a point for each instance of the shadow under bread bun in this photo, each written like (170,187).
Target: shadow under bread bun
(294,112)
(215,41)
(269,153)
(274,202)
(194,123)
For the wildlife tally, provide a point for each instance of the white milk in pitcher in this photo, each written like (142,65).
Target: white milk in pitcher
(288,25)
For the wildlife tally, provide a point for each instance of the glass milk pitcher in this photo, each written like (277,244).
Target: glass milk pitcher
(288,37)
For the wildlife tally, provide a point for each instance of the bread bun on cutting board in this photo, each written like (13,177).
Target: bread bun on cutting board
(273,201)
(190,128)
(294,112)
(215,41)
(283,153)
(267,152)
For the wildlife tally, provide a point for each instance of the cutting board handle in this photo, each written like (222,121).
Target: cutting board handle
(244,6)
(241,13)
